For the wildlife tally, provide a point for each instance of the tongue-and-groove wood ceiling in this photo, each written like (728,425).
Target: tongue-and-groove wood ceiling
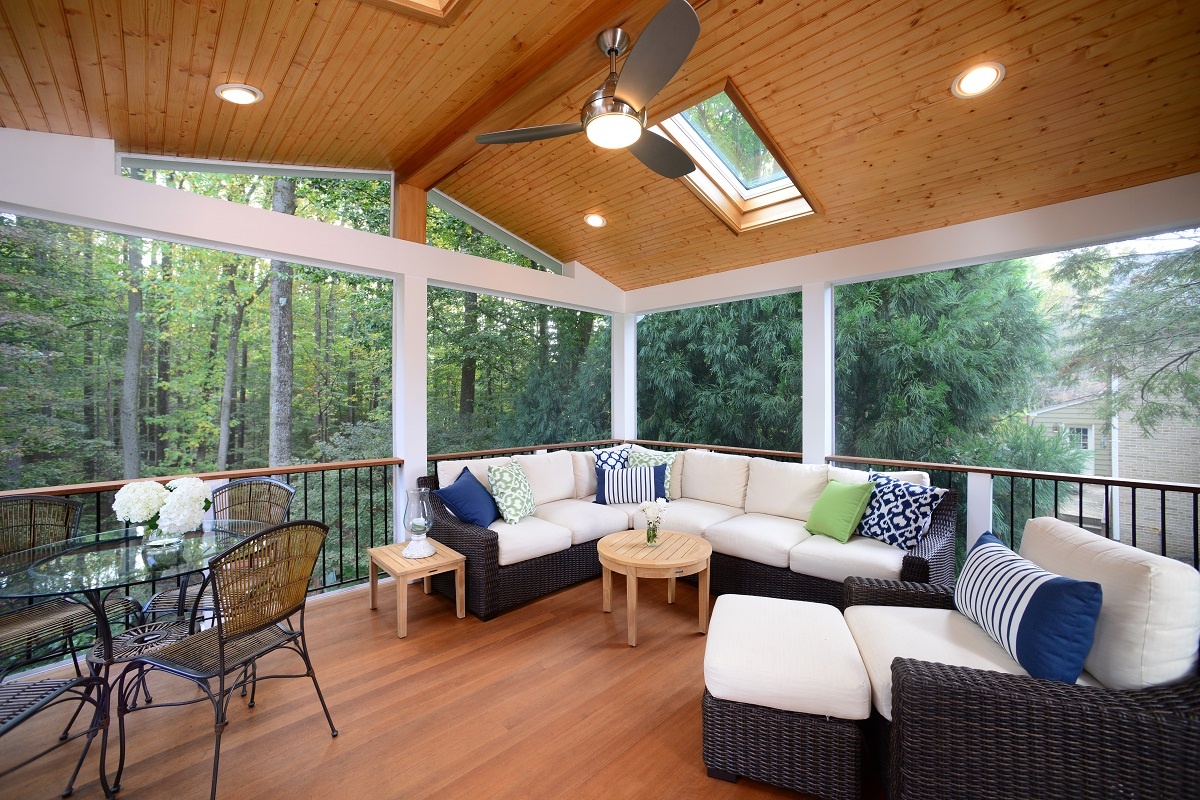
(1099,95)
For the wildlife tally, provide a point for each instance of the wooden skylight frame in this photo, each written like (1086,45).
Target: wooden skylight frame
(723,196)
(439,12)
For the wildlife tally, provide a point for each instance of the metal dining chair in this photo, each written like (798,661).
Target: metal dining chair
(47,629)
(251,499)
(258,587)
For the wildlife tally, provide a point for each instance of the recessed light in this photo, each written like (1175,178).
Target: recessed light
(595,220)
(978,79)
(240,93)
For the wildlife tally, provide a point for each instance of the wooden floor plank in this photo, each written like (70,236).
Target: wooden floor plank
(545,701)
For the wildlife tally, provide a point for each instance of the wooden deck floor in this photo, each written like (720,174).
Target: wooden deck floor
(545,701)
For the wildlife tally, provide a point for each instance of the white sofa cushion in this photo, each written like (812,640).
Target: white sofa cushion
(823,557)
(629,509)
(584,467)
(586,521)
(448,471)
(529,538)
(763,538)
(846,475)
(1149,621)
(783,489)
(676,490)
(785,654)
(690,516)
(550,476)
(715,478)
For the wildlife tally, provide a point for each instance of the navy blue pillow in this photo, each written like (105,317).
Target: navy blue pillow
(631,484)
(1046,622)
(469,500)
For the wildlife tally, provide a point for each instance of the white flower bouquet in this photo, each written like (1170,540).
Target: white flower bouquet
(140,502)
(654,510)
(175,508)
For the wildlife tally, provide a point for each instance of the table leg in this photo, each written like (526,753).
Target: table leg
(429,586)
(671,589)
(607,584)
(704,576)
(401,608)
(460,590)
(631,588)
(373,577)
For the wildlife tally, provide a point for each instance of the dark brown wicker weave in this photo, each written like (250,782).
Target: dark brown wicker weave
(491,588)
(45,629)
(817,755)
(933,556)
(253,499)
(967,733)
(258,585)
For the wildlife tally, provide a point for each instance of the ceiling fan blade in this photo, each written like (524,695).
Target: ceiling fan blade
(661,155)
(530,134)
(658,54)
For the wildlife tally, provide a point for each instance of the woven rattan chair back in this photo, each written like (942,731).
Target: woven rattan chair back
(257,499)
(34,520)
(264,580)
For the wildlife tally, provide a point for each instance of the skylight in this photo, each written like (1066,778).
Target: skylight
(724,131)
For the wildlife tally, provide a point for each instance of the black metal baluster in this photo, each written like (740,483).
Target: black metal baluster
(1107,509)
(1056,499)
(1162,515)
(371,494)
(341,512)
(1081,503)
(1133,513)
(1012,510)
(387,503)
(1195,528)
(356,548)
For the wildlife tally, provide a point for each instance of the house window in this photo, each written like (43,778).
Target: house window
(1080,438)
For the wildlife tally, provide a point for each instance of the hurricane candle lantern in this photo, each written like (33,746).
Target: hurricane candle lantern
(418,521)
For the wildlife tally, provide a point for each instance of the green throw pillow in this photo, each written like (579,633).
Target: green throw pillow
(642,458)
(839,509)
(510,488)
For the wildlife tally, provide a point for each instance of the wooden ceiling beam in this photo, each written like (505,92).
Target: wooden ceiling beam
(569,57)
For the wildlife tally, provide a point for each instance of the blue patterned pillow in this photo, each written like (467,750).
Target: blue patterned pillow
(613,458)
(1044,621)
(899,511)
(632,485)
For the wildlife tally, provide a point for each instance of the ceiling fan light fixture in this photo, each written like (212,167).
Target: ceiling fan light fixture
(595,220)
(977,80)
(240,93)
(614,130)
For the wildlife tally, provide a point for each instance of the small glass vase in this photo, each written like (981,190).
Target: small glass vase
(418,521)
(652,534)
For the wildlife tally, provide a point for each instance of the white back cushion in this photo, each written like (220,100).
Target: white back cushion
(676,470)
(716,477)
(550,475)
(856,476)
(784,490)
(448,471)
(1149,625)
(584,467)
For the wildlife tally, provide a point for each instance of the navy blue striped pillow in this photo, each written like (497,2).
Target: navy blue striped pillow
(1044,621)
(630,485)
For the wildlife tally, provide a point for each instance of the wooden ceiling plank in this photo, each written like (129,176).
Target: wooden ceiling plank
(134,46)
(184,32)
(159,27)
(261,16)
(17,82)
(31,52)
(110,42)
(213,111)
(64,62)
(86,49)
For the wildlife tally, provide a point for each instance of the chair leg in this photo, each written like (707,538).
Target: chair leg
(312,674)
(219,727)
(99,724)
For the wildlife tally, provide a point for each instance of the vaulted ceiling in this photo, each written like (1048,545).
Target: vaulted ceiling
(1099,95)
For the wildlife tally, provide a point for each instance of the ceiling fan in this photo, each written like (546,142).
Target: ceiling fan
(614,116)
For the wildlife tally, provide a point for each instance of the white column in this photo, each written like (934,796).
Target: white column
(409,379)
(818,372)
(624,376)
(979,506)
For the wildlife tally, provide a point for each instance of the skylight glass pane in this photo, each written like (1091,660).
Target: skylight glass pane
(726,132)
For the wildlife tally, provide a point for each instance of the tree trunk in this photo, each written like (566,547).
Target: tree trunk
(130,446)
(89,363)
(162,399)
(231,354)
(242,420)
(470,329)
(279,448)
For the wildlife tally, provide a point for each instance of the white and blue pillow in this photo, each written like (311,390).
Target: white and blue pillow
(899,511)
(612,457)
(630,485)
(1044,621)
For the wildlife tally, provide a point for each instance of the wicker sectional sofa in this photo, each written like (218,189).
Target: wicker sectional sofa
(752,511)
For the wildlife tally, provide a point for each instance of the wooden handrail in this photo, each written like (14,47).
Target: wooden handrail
(506,451)
(109,486)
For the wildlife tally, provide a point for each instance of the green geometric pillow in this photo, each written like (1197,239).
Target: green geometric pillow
(511,490)
(838,510)
(640,458)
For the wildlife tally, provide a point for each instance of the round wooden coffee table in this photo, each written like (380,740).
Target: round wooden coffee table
(676,555)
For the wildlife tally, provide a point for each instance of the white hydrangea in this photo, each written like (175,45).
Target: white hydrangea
(184,510)
(654,510)
(138,502)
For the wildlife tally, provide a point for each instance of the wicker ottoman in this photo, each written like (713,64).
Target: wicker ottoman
(784,691)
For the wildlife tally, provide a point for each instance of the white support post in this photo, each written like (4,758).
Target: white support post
(979,506)
(409,380)
(624,376)
(817,308)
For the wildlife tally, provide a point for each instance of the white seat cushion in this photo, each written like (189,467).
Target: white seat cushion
(784,490)
(785,654)
(944,636)
(856,476)
(715,478)
(1149,623)
(448,471)
(690,516)
(550,475)
(586,521)
(763,538)
(529,538)
(629,509)
(823,557)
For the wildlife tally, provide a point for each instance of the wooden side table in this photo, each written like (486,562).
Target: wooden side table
(391,560)
(676,555)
